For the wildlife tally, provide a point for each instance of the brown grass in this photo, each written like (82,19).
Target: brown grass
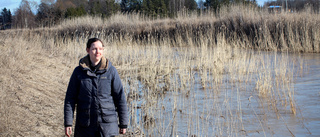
(33,82)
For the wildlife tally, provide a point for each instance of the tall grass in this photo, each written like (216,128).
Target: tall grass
(258,29)
(189,76)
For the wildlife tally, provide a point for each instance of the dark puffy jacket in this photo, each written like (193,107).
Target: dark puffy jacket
(99,99)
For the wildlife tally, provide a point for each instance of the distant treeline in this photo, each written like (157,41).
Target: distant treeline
(5,19)
(51,12)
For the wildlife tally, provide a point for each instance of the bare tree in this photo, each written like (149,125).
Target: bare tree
(63,5)
(46,14)
(24,17)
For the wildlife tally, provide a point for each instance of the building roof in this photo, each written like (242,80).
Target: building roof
(275,6)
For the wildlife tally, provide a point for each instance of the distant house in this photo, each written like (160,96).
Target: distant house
(274,9)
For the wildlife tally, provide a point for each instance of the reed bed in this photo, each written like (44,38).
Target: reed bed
(258,29)
(189,76)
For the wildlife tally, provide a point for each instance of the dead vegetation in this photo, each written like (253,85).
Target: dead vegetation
(194,72)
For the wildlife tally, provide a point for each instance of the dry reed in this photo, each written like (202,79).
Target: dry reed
(189,76)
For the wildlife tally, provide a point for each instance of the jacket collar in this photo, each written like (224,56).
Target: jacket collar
(85,63)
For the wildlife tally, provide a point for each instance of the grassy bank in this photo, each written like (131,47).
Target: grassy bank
(258,29)
(165,66)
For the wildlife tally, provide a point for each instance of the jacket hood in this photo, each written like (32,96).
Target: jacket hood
(85,63)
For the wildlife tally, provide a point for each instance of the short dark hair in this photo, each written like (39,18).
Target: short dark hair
(92,40)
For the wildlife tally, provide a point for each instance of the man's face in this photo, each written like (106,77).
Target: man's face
(95,52)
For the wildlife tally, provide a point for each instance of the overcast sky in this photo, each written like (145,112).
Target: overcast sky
(14,4)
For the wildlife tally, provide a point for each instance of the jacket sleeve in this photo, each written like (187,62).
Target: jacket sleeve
(119,99)
(71,99)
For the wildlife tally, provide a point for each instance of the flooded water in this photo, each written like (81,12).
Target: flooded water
(306,86)
(307,96)
(233,108)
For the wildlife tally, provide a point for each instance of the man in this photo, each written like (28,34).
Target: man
(96,92)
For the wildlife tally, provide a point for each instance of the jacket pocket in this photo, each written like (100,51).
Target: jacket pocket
(109,129)
(83,117)
(109,116)
(105,86)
